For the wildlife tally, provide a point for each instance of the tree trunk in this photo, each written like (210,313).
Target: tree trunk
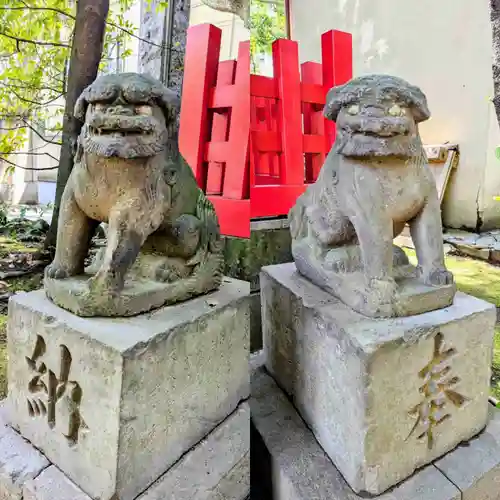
(88,40)
(495,26)
(239,7)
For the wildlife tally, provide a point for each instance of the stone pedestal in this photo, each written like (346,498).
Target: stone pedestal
(299,469)
(383,397)
(217,468)
(114,403)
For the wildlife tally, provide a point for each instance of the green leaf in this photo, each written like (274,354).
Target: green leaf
(497,152)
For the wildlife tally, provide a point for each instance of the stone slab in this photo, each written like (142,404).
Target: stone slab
(131,395)
(52,484)
(19,461)
(359,382)
(475,467)
(341,273)
(301,470)
(218,468)
(138,296)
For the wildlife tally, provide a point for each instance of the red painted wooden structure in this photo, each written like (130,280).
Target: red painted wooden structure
(255,142)
(215,126)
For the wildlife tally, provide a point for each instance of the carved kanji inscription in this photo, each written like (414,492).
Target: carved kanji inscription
(54,396)
(437,392)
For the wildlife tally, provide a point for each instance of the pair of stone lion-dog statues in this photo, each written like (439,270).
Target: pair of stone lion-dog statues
(163,234)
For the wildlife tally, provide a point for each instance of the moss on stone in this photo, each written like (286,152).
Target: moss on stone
(245,257)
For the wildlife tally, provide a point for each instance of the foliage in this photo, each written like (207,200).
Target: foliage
(267,24)
(35,47)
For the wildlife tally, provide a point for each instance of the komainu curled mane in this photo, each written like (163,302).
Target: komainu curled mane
(163,241)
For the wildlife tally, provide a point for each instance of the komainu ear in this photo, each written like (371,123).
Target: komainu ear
(334,102)
(170,102)
(166,98)
(81,105)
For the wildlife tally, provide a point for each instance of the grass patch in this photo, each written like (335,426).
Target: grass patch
(9,245)
(475,277)
(481,280)
(495,378)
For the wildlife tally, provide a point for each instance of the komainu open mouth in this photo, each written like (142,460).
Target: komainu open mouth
(113,132)
(102,124)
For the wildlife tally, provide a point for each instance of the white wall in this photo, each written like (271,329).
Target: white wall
(442,46)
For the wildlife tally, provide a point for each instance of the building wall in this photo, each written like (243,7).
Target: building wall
(444,47)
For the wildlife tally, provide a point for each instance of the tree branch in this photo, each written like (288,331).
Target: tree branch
(57,143)
(26,168)
(22,127)
(28,153)
(34,42)
(36,103)
(29,7)
(28,87)
(110,23)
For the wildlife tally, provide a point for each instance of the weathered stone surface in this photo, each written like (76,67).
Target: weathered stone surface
(151,32)
(19,461)
(459,236)
(300,468)
(52,484)
(475,466)
(267,245)
(375,179)
(360,382)
(130,395)
(218,468)
(163,242)
(473,251)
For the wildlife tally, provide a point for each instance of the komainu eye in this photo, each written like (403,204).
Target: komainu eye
(396,110)
(144,110)
(353,110)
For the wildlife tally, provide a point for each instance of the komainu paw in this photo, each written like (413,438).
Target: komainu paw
(437,277)
(56,271)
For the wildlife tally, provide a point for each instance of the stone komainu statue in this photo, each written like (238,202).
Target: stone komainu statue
(163,232)
(375,180)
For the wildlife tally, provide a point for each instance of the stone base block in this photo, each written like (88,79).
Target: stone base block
(114,403)
(340,272)
(217,468)
(300,470)
(383,397)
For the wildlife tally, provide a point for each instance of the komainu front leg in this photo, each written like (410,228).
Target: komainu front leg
(126,234)
(427,234)
(75,230)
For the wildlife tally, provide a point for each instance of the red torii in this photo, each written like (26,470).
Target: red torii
(255,142)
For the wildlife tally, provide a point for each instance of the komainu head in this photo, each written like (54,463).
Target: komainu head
(377,115)
(126,115)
